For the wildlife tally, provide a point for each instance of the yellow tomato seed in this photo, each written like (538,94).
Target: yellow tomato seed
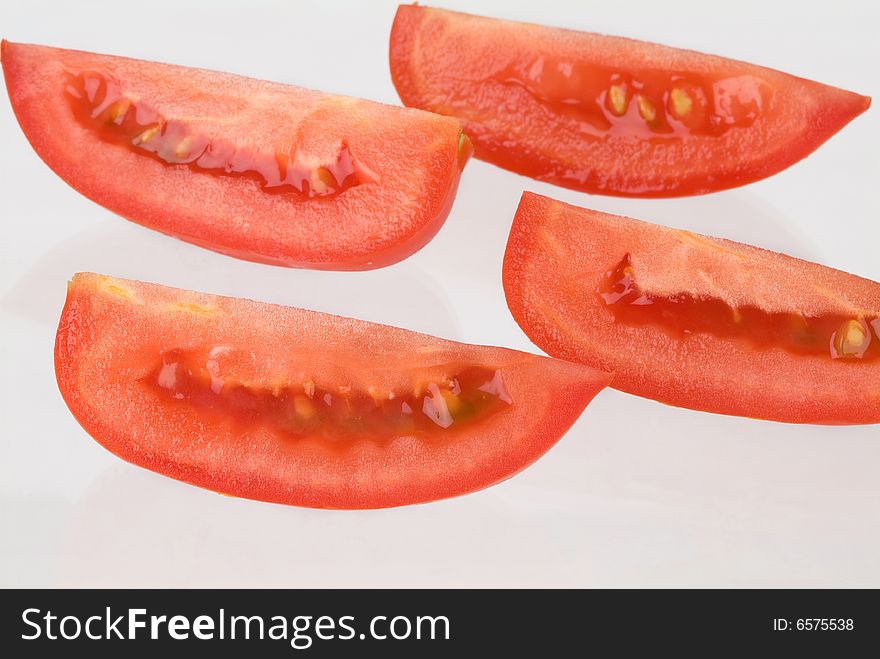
(617,96)
(851,339)
(119,110)
(647,110)
(681,102)
(183,147)
(303,407)
(146,136)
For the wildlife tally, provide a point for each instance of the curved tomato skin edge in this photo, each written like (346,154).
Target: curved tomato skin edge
(420,238)
(402,249)
(854,412)
(407,21)
(374,261)
(75,331)
(781,160)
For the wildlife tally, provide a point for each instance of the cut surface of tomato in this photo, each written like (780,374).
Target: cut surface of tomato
(695,321)
(258,170)
(298,407)
(607,114)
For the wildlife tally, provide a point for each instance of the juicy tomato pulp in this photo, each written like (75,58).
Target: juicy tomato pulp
(197,378)
(645,104)
(695,321)
(98,102)
(608,114)
(338,413)
(258,170)
(832,335)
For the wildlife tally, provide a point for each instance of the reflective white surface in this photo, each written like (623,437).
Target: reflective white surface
(637,494)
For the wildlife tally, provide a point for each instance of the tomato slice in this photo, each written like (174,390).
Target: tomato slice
(606,114)
(695,321)
(298,407)
(258,170)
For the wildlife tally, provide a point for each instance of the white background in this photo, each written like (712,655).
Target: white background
(637,494)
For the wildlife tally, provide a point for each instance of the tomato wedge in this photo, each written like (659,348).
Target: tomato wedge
(258,170)
(606,114)
(291,406)
(694,321)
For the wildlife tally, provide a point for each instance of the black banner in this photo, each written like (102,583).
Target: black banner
(319,623)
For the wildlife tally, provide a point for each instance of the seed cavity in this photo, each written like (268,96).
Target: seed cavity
(673,104)
(99,103)
(209,379)
(684,314)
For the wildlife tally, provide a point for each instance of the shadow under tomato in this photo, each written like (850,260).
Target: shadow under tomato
(137,529)
(401,295)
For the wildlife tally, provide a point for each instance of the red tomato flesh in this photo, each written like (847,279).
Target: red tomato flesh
(298,407)
(695,321)
(258,170)
(606,114)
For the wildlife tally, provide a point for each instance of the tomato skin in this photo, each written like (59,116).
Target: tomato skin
(415,156)
(111,332)
(558,255)
(478,69)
